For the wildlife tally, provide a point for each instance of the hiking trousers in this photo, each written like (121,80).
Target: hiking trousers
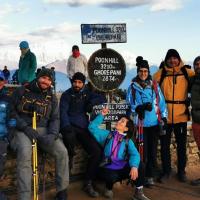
(22,144)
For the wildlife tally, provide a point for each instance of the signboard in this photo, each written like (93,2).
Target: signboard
(106,69)
(103,33)
(116,110)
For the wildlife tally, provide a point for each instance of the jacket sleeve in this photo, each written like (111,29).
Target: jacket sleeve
(32,67)
(162,103)
(21,124)
(130,100)
(69,74)
(85,66)
(99,134)
(64,107)
(157,76)
(134,156)
(53,123)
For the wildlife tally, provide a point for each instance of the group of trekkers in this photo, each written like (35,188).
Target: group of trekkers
(159,106)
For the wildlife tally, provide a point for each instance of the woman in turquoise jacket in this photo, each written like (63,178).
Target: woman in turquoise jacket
(149,108)
(121,159)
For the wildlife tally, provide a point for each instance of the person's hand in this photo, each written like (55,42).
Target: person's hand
(133,173)
(31,133)
(164,119)
(148,106)
(67,129)
(47,139)
(105,111)
(140,111)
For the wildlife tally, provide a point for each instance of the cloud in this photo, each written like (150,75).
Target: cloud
(48,43)
(6,9)
(159,5)
(155,5)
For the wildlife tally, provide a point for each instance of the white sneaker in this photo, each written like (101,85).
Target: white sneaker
(108,194)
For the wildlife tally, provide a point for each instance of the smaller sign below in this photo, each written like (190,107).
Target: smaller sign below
(103,33)
(116,110)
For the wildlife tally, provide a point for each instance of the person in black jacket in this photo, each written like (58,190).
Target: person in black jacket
(37,96)
(75,103)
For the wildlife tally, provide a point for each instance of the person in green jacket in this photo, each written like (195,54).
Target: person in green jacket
(27,64)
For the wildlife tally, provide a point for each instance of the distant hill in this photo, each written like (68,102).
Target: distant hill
(63,83)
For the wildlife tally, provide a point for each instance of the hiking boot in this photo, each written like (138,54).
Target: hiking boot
(61,195)
(195,182)
(89,189)
(149,182)
(3,196)
(139,195)
(182,177)
(164,177)
(108,194)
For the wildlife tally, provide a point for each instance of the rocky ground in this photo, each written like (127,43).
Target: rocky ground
(172,190)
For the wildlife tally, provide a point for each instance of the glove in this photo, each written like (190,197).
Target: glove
(47,139)
(164,119)
(140,111)
(31,133)
(148,106)
(67,129)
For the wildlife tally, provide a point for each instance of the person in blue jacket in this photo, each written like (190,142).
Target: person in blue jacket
(7,125)
(149,108)
(121,159)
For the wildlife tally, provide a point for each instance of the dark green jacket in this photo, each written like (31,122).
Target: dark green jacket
(195,98)
(27,67)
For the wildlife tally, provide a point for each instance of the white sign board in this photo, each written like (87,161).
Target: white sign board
(103,33)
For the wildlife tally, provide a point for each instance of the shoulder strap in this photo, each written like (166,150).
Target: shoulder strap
(184,71)
(133,91)
(155,88)
(163,75)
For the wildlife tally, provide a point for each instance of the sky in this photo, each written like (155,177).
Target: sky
(52,26)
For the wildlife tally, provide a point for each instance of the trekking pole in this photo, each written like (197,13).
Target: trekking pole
(35,162)
(140,139)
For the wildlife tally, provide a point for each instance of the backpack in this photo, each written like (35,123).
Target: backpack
(109,137)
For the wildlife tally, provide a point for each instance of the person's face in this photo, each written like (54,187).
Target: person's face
(197,67)
(2,83)
(23,50)
(121,125)
(143,73)
(44,82)
(77,85)
(173,62)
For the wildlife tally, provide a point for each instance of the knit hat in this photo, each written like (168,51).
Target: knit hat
(196,60)
(45,72)
(172,53)
(78,76)
(75,47)
(2,77)
(140,63)
(24,45)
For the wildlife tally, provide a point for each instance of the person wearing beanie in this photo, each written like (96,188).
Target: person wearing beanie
(77,62)
(75,103)
(173,79)
(38,96)
(27,64)
(195,97)
(149,108)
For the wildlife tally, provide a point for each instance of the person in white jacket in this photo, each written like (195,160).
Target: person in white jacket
(77,62)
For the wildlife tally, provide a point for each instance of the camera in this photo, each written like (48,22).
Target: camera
(106,161)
